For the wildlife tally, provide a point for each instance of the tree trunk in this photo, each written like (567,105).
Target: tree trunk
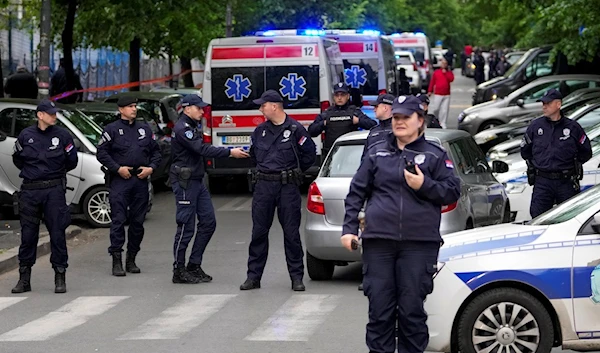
(186,64)
(67,41)
(134,62)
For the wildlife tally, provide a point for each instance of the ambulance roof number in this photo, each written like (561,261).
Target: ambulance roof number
(308,51)
(369,46)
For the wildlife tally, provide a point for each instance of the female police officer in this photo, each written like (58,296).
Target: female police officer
(405,181)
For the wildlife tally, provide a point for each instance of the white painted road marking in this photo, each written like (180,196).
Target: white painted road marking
(5,302)
(297,319)
(174,322)
(244,202)
(71,315)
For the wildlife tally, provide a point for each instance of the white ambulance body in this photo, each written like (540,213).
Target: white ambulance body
(419,45)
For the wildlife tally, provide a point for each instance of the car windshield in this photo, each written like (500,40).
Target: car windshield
(85,124)
(569,209)
(344,160)
(519,62)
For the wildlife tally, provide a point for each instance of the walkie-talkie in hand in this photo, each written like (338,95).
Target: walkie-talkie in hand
(355,244)
(410,166)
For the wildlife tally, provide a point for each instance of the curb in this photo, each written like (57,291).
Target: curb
(9,259)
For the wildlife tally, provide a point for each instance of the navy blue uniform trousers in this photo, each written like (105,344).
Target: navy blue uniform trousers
(128,199)
(547,192)
(397,277)
(57,217)
(269,195)
(192,202)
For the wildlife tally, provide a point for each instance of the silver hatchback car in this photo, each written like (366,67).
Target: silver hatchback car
(483,199)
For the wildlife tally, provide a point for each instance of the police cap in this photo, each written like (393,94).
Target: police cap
(423,97)
(126,100)
(550,95)
(383,99)
(341,87)
(193,99)
(407,105)
(270,96)
(48,106)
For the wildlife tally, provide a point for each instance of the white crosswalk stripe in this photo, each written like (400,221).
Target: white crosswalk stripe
(174,322)
(71,315)
(297,319)
(6,302)
(242,203)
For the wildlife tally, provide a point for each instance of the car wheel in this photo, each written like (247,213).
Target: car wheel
(505,320)
(96,207)
(319,270)
(489,125)
(496,210)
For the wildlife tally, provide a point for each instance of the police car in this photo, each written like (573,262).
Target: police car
(521,287)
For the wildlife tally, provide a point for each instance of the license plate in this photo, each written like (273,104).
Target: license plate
(236,140)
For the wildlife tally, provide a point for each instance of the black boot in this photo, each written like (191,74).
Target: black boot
(60,280)
(181,275)
(196,271)
(24,284)
(117,266)
(130,265)
(298,286)
(250,284)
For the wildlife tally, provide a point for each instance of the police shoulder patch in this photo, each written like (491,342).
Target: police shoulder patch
(189,134)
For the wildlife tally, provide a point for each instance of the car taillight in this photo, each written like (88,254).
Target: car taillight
(315,202)
(324,105)
(383,91)
(448,208)
(415,67)
(427,66)
(207,125)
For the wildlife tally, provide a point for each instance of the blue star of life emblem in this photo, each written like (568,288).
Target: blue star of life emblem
(355,76)
(292,86)
(238,88)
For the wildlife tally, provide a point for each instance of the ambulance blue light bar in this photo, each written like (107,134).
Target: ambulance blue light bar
(315,32)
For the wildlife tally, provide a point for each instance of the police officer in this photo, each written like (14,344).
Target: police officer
(44,153)
(191,196)
(401,237)
(555,148)
(339,119)
(383,113)
(130,154)
(282,150)
(430,120)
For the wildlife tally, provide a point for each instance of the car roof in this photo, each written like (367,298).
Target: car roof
(442,135)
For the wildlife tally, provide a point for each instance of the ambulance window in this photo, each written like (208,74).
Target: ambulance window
(335,63)
(362,74)
(234,88)
(298,85)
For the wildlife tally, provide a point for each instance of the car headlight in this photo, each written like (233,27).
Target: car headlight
(494,96)
(473,66)
(470,117)
(481,139)
(439,267)
(497,155)
(515,188)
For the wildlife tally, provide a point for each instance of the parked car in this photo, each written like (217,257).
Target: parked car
(86,193)
(106,113)
(521,102)
(483,199)
(524,287)
(166,106)
(514,56)
(489,138)
(182,90)
(406,60)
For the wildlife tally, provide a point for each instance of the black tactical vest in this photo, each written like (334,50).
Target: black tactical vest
(339,122)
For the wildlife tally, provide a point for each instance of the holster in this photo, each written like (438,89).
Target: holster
(578,169)
(16,197)
(183,176)
(251,179)
(530,173)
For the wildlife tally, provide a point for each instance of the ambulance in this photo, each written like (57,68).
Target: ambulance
(418,44)
(302,66)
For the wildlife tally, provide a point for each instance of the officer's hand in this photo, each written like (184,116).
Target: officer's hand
(414,181)
(238,153)
(347,240)
(355,120)
(146,171)
(124,172)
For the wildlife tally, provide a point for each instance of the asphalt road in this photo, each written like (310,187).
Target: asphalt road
(147,313)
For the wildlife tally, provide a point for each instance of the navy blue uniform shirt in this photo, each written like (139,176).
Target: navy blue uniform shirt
(378,133)
(552,146)
(273,147)
(44,155)
(394,210)
(132,145)
(188,148)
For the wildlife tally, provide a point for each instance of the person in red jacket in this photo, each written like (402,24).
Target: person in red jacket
(440,87)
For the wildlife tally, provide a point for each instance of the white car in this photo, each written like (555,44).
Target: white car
(521,288)
(406,60)
(519,191)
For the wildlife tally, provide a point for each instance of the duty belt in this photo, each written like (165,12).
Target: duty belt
(33,185)
(268,177)
(565,174)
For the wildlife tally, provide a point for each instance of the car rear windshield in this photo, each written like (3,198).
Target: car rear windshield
(403,60)
(417,52)
(343,160)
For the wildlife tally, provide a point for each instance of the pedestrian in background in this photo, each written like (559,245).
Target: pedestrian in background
(22,84)
(440,88)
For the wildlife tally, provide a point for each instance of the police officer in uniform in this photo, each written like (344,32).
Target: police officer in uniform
(430,120)
(130,154)
(555,149)
(282,150)
(401,237)
(191,196)
(339,119)
(44,153)
(383,113)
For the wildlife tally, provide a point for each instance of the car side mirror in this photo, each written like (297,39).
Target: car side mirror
(520,102)
(499,167)
(596,223)
(77,143)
